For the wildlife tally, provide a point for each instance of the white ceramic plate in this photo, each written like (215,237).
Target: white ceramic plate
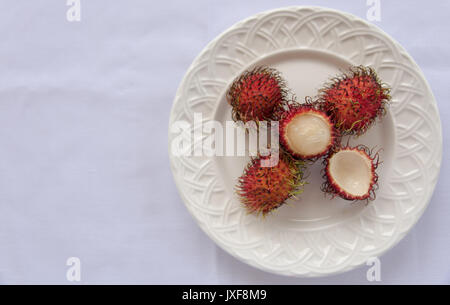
(314,235)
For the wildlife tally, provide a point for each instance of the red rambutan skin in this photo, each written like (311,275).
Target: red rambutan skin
(355,100)
(331,187)
(264,189)
(256,94)
(300,109)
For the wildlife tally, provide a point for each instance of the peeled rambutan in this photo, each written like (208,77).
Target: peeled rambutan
(306,132)
(256,94)
(263,189)
(355,100)
(350,173)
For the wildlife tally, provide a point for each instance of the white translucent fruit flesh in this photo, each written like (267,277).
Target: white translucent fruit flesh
(351,171)
(308,134)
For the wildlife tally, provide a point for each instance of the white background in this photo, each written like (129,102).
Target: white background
(84,169)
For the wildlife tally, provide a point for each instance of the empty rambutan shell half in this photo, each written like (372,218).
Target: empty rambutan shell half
(350,173)
(262,189)
(305,132)
(257,94)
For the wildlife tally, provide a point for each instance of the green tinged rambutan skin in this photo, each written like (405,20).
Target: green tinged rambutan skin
(264,189)
(355,99)
(257,94)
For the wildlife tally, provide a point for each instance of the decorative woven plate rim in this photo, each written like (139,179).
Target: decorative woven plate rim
(404,218)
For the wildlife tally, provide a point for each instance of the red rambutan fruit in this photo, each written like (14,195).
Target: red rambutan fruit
(306,132)
(350,173)
(264,189)
(256,94)
(355,100)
